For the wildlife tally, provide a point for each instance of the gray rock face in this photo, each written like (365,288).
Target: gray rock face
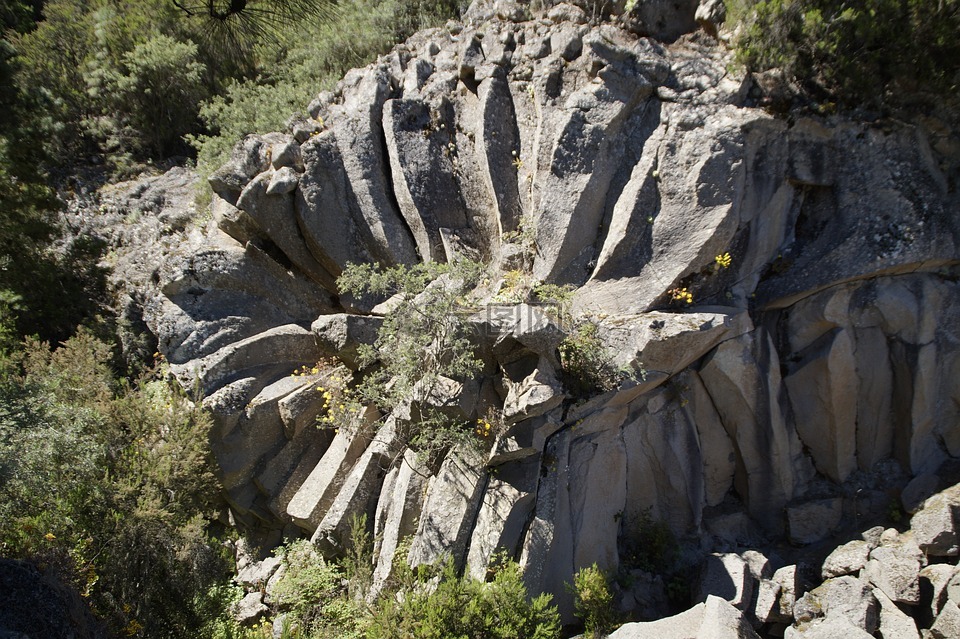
(782,295)
(936,526)
(845,599)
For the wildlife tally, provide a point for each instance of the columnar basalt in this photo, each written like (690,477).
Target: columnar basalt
(795,375)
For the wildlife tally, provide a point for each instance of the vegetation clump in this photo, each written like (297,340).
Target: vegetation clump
(876,54)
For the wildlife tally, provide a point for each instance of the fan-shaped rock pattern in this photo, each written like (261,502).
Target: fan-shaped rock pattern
(829,344)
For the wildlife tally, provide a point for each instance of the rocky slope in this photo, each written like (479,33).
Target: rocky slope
(786,396)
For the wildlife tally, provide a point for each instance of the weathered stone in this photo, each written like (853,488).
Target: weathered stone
(667,342)
(249,158)
(397,514)
(507,504)
(534,395)
(682,626)
(769,454)
(423,173)
(935,526)
(645,596)
(286,153)
(728,577)
(713,619)
(274,214)
(300,409)
(820,387)
(358,130)
(894,567)
(847,559)
(812,521)
(947,624)
(710,14)
(934,580)
(453,495)
(766,608)
(917,491)
(250,609)
(309,505)
(788,578)
(846,598)
(663,20)
(829,628)
(283,181)
(342,335)
(893,622)
(232,221)
(256,574)
(359,492)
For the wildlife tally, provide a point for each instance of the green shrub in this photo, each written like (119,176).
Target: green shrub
(421,341)
(315,595)
(586,362)
(648,544)
(593,600)
(464,608)
(108,485)
(873,53)
(313,58)
(150,101)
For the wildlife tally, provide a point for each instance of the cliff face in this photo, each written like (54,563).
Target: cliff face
(794,388)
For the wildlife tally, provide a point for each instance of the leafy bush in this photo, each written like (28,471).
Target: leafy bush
(314,56)
(108,484)
(587,367)
(873,53)
(466,609)
(648,544)
(151,100)
(593,600)
(422,340)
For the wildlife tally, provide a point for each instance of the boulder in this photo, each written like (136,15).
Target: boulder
(534,395)
(685,625)
(847,559)
(251,609)
(713,619)
(842,599)
(728,577)
(918,491)
(947,624)
(342,335)
(250,157)
(893,621)
(936,526)
(256,574)
(894,567)
(829,628)
(934,580)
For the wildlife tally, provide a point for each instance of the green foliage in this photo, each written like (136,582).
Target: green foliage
(463,608)
(587,367)
(150,101)
(648,544)
(312,58)
(108,484)
(422,340)
(593,600)
(313,593)
(873,53)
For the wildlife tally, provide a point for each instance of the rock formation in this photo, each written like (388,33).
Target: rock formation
(783,293)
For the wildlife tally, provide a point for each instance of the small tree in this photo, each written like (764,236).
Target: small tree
(593,600)
(152,100)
